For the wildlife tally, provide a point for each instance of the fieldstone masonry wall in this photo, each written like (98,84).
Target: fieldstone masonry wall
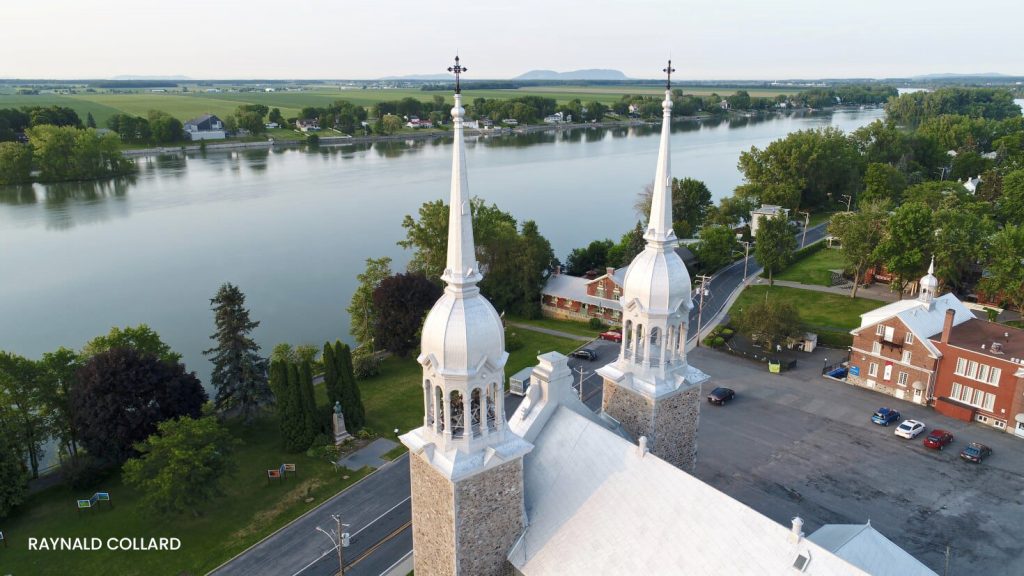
(433,519)
(669,423)
(490,513)
(466,528)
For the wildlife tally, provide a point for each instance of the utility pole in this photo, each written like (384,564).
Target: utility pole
(339,539)
(580,369)
(849,200)
(746,256)
(807,220)
(704,281)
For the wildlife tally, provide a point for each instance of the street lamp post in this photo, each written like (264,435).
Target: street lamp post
(704,280)
(339,540)
(849,200)
(807,220)
(746,256)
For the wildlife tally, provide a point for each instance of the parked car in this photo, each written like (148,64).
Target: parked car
(975,452)
(910,429)
(886,416)
(720,396)
(584,353)
(937,439)
(611,335)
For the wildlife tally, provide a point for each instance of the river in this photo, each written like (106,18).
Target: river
(292,228)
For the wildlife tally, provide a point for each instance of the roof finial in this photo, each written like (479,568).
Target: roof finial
(458,69)
(668,70)
(931,267)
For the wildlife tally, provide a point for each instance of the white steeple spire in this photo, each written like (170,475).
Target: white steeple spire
(659,228)
(929,285)
(461,268)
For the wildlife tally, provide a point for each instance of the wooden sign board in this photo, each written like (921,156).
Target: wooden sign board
(273,473)
(85,503)
(288,467)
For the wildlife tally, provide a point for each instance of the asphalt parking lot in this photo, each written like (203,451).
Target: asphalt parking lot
(799,444)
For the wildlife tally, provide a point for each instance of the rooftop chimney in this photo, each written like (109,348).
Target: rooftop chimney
(609,270)
(947,326)
(796,532)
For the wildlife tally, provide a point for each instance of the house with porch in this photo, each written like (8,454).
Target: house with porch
(205,127)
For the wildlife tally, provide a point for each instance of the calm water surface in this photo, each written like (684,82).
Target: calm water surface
(293,228)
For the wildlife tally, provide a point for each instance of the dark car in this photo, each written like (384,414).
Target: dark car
(975,452)
(720,396)
(937,439)
(885,416)
(584,353)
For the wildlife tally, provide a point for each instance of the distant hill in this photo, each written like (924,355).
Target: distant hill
(947,75)
(421,77)
(588,74)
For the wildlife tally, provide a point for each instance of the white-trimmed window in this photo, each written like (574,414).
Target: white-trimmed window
(955,392)
(902,379)
(876,347)
(906,356)
(993,376)
(972,369)
(873,369)
(909,338)
(989,403)
(890,334)
(879,330)
(961,366)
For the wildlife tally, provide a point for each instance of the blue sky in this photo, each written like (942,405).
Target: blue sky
(721,39)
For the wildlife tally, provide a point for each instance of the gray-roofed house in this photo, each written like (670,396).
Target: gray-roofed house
(866,548)
(205,127)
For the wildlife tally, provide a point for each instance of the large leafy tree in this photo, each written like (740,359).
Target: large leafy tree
(15,163)
(182,465)
(961,240)
(691,201)
(239,372)
(121,395)
(360,309)
(908,243)
(402,301)
(22,395)
(882,182)
(13,475)
(1006,267)
(770,322)
(813,162)
(140,338)
(1010,206)
(716,247)
(859,234)
(57,377)
(774,246)
(596,256)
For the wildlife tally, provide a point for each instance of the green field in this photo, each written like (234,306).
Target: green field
(187,105)
(250,510)
(831,316)
(814,269)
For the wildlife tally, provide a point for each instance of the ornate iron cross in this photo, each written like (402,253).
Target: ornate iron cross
(669,71)
(457,69)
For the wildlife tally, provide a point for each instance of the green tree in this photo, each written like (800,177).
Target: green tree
(15,163)
(140,338)
(882,182)
(182,465)
(351,400)
(771,322)
(309,412)
(121,395)
(691,201)
(21,396)
(716,247)
(13,476)
(239,372)
(774,246)
(332,380)
(594,257)
(931,193)
(1005,266)
(275,116)
(859,234)
(391,124)
(67,153)
(740,100)
(164,128)
(961,240)
(296,436)
(631,244)
(1010,206)
(131,129)
(402,301)
(362,314)
(250,117)
(428,237)
(90,122)
(58,371)
(907,245)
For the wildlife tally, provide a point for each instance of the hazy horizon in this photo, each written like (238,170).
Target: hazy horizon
(318,39)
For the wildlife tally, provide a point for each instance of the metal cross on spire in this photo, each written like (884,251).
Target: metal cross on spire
(457,69)
(669,70)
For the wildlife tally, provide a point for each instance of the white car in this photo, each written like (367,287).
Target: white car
(910,428)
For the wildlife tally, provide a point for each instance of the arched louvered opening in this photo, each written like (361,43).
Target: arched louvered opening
(475,409)
(438,409)
(627,339)
(428,408)
(456,416)
(492,393)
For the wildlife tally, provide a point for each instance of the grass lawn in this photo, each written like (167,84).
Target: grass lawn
(394,398)
(250,510)
(829,315)
(814,269)
(568,326)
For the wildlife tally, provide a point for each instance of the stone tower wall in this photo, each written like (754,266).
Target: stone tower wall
(633,411)
(490,514)
(433,519)
(669,423)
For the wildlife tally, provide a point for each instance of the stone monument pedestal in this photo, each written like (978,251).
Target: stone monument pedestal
(340,433)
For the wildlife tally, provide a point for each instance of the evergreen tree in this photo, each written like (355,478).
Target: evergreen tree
(293,419)
(13,475)
(239,373)
(90,122)
(332,384)
(309,414)
(283,400)
(351,400)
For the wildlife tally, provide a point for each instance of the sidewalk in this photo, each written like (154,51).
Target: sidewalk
(873,292)
(369,455)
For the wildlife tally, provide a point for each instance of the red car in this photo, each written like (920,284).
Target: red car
(613,335)
(937,439)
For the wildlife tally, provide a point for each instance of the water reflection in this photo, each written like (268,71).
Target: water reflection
(67,204)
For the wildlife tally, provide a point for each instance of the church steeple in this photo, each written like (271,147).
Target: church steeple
(659,228)
(461,271)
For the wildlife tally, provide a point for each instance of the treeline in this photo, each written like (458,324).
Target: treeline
(62,153)
(844,94)
(989,103)
(157,128)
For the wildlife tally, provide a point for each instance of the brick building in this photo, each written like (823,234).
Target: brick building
(981,373)
(892,352)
